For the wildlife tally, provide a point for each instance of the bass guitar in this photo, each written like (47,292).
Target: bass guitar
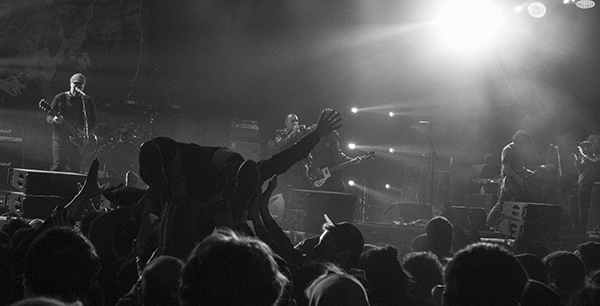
(85,143)
(318,176)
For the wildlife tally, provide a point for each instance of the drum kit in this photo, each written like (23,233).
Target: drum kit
(118,151)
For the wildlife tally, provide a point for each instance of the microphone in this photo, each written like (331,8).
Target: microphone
(81,92)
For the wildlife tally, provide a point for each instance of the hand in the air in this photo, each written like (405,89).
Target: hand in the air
(329,121)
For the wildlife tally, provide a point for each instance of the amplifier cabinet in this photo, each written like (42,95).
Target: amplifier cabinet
(45,183)
(31,207)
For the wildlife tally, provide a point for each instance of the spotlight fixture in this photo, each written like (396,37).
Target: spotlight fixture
(537,9)
(585,4)
(388,186)
(351,183)
(392,114)
(354,110)
(392,150)
(352,146)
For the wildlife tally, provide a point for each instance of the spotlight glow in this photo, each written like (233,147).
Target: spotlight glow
(388,186)
(352,146)
(468,23)
(536,10)
(392,150)
(392,114)
(354,110)
(351,183)
(585,4)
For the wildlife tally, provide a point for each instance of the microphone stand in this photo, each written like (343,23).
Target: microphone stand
(433,158)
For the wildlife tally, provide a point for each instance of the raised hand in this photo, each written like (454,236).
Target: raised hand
(329,121)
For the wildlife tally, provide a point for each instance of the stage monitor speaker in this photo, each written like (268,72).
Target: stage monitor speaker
(406,212)
(46,183)
(534,220)
(469,218)
(31,207)
(593,223)
(338,206)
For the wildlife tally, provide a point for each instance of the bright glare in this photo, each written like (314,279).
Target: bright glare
(392,150)
(392,114)
(518,8)
(352,146)
(468,23)
(354,110)
(388,186)
(351,183)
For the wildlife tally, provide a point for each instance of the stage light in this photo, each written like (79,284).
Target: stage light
(469,22)
(354,110)
(536,10)
(352,146)
(566,1)
(585,4)
(351,183)
(392,114)
(392,150)
(388,186)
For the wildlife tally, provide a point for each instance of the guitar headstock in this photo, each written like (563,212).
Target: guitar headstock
(44,105)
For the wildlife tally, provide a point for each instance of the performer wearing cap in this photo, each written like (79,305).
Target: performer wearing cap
(588,165)
(73,119)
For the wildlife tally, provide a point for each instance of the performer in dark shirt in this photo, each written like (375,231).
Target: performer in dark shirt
(588,165)
(517,159)
(73,118)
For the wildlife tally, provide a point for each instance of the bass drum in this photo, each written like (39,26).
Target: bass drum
(116,159)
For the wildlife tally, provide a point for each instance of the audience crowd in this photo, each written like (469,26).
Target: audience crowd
(201,234)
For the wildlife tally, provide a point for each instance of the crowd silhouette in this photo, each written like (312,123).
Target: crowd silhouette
(202,234)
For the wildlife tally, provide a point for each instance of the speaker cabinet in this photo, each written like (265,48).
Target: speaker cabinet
(31,207)
(45,183)
(406,212)
(535,220)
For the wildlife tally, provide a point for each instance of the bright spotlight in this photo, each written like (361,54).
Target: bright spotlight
(469,22)
(351,183)
(392,150)
(392,114)
(352,146)
(388,186)
(585,4)
(536,10)
(354,110)
(518,8)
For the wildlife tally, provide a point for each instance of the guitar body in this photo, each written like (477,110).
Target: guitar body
(318,175)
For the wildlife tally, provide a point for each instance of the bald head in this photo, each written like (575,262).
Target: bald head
(291,120)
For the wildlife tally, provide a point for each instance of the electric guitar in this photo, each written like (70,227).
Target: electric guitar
(85,143)
(318,176)
(532,187)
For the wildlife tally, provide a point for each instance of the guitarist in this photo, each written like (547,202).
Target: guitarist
(328,154)
(68,150)
(514,173)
